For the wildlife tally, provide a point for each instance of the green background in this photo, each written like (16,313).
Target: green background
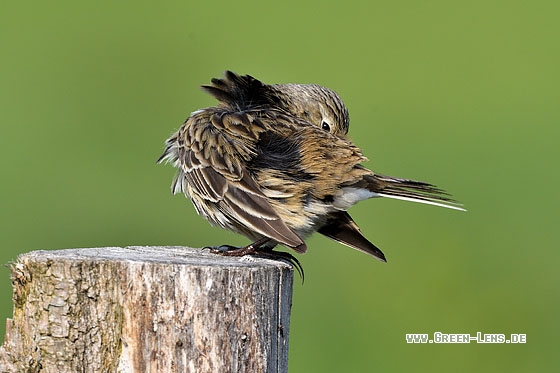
(461,94)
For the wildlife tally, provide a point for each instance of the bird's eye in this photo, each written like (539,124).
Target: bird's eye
(325,126)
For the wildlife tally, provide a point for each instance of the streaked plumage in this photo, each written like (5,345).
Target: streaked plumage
(272,162)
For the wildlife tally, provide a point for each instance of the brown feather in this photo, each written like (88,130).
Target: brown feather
(210,166)
(341,228)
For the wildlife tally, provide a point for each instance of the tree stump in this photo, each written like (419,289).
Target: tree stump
(147,309)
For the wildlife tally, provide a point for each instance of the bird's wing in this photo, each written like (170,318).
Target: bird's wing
(210,150)
(341,228)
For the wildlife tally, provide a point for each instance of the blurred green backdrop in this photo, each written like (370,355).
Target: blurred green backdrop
(461,94)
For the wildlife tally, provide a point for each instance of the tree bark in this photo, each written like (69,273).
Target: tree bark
(147,309)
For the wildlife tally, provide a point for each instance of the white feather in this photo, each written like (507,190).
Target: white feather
(197,112)
(350,196)
(441,204)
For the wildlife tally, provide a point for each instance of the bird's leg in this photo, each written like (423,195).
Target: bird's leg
(257,250)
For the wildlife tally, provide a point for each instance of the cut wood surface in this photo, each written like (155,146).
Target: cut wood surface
(147,309)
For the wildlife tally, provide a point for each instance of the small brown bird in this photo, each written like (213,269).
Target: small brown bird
(273,163)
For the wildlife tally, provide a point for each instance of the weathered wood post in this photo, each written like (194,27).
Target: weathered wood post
(147,309)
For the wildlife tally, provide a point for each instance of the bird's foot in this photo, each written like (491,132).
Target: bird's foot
(283,257)
(228,250)
(259,252)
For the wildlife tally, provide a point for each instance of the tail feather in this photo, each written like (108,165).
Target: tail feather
(341,228)
(411,190)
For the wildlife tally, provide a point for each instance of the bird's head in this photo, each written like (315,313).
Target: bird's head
(311,102)
(316,104)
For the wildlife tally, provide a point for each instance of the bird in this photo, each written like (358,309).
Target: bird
(273,162)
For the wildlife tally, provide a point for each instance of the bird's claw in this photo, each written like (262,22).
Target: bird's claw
(284,257)
(228,250)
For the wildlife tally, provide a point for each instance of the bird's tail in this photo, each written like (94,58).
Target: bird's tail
(410,190)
